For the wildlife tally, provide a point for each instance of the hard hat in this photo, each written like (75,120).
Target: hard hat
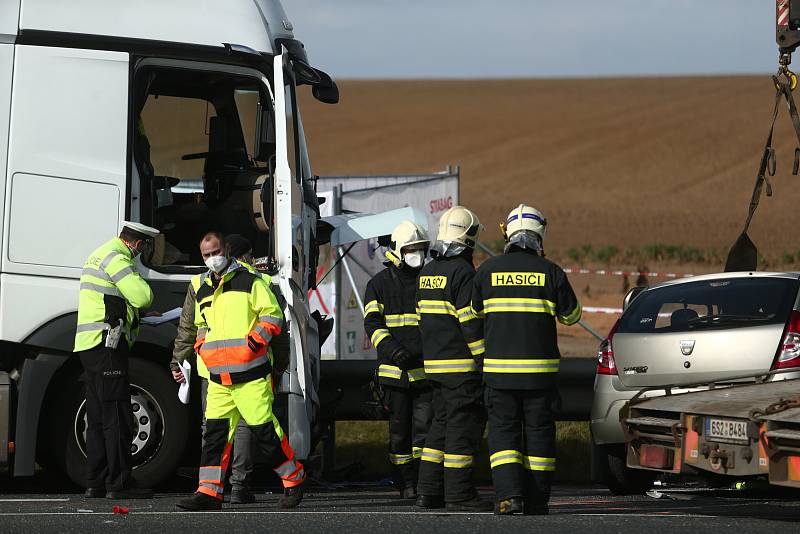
(525,218)
(459,225)
(144,231)
(405,234)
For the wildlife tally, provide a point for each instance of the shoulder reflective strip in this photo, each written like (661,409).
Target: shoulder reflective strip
(210,474)
(116,277)
(389,371)
(573,317)
(458,461)
(477,347)
(201,333)
(379,335)
(450,366)
(505,457)
(465,314)
(431,455)
(417,452)
(203,277)
(239,367)
(112,291)
(401,459)
(437,306)
(263,332)
(88,271)
(108,259)
(494,365)
(373,306)
(538,463)
(91,327)
(416,374)
(224,343)
(401,319)
(519,305)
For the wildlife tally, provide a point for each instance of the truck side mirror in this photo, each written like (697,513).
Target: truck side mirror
(265,134)
(326,90)
(630,295)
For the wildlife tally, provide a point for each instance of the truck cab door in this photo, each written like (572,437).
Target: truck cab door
(292,232)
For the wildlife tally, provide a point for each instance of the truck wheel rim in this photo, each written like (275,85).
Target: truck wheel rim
(147,430)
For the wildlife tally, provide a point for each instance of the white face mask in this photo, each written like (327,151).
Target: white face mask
(217,263)
(414,259)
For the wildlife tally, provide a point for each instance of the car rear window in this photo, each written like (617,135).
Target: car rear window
(719,303)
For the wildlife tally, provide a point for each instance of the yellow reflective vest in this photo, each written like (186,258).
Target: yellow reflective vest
(236,320)
(111,289)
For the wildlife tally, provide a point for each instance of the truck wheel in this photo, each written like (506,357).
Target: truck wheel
(617,476)
(160,428)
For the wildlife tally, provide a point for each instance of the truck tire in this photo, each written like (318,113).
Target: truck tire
(160,431)
(617,476)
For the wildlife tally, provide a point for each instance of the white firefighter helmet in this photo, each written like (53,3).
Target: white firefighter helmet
(405,234)
(459,226)
(521,223)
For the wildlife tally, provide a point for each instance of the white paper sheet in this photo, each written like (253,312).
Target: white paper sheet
(183,390)
(165,317)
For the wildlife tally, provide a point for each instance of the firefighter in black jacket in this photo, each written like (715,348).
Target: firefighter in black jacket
(452,341)
(390,319)
(520,295)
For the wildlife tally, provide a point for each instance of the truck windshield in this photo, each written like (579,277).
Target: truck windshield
(719,303)
(194,142)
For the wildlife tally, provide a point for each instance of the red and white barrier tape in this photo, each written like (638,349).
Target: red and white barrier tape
(614,272)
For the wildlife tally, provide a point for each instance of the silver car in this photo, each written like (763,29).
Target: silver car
(707,328)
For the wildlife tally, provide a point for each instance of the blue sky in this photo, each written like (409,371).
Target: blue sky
(535,38)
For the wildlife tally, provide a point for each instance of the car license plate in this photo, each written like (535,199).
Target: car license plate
(726,430)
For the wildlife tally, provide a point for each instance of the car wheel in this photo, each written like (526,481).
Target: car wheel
(160,428)
(617,476)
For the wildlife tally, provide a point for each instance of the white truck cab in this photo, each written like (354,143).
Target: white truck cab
(181,115)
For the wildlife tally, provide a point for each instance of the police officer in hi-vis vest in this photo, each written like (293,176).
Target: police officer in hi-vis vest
(391,321)
(520,295)
(111,294)
(452,343)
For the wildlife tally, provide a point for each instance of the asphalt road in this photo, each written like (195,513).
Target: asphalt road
(376,510)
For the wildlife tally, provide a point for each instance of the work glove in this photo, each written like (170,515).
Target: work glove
(403,359)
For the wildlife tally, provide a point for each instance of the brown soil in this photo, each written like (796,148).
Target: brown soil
(612,161)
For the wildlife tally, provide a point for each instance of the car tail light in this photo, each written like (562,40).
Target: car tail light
(789,351)
(605,354)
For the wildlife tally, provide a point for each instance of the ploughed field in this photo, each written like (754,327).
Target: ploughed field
(620,162)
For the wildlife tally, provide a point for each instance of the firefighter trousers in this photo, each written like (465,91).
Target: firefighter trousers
(410,414)
(522,436)
(453,438)
(225,406)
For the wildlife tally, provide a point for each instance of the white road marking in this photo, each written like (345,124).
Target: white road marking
(319,512)
(34,500)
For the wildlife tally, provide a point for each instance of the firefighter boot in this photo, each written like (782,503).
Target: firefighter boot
(199,502)
(510,506)
(430,501)
(292,496)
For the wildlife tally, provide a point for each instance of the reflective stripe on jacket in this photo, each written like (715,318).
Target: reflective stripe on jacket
(236,319)
(110,289)
(452,337)
(391,322)
(520,295)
